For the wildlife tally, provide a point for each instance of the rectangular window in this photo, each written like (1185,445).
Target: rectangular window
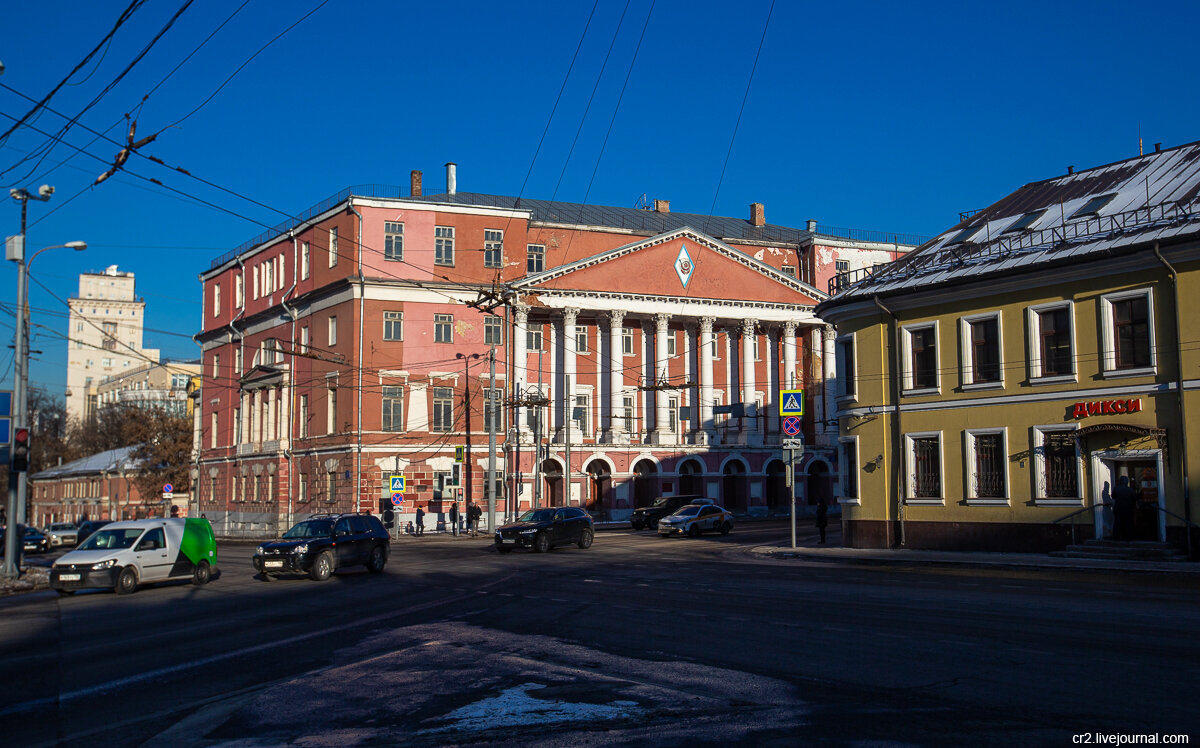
(216,300)
(443,409)
(627,341)
(987,462)
(629,407)
(333,246)
(492,400)
(301,488)
(925,463)
(238,360)
(788,270)
(1060,463)
(1054,341)
(533,338)
(535,258)
(443,328)
(922,360)
(239,291)
(673,414)
(982,350)
(393,241)
(302,416)
(493,248)
(582,413)
(848,461)
(672,336)
(213,431)
(1128,332)
(237,425)
(304,339)
(393,325)
(847,383)
(268,277)
(841,266)
(304,256)
(581,338)
(332,331)
(331,409)
(393,408)
(216,365)
(443,245)
(492,331)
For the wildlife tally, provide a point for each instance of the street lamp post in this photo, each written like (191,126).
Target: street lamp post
(466,469)
(17,487)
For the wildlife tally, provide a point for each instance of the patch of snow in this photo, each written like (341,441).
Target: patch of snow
(515,707)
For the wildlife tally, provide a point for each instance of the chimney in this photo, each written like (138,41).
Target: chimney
(1070,170)
(662,206)
(757,215)
(414,184)
(1158,147)
(812,225)
(451,177)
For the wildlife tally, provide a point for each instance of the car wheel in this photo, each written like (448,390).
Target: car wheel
(503,549)
(322,567)
(694,531)
(127,581)
(725,528)
(637,524)
(377,560)
(585,538)
(65,593)
(652,523)
(541,543)
(201,574)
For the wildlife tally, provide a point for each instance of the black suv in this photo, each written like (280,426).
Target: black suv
(325,542)
(648,516)
(542,529)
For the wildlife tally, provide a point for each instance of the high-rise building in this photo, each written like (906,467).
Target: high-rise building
(104,338)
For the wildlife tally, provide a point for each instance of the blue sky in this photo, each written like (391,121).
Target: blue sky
(879,116)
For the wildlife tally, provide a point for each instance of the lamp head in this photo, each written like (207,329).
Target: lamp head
(46,191)
(77,246)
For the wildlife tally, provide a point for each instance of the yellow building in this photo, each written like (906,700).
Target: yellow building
(998,384)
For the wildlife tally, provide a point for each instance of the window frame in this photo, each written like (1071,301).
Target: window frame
(393,327)
(531,254)
(443,323)
(443,246)
(910,478)
(1109,340)
(392,394)
(331,330)
(907,331)
(333,246)
(305,258)
(393,241)
(581,340)
(847,381)
(1035,338)
(493,330)
(1039,477)
(968,347)
(442,398)
(627,346)
(971,472)
(849,467)
(535,338)
(493,248)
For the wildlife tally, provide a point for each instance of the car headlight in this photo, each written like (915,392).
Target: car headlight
(301,549)
(104,565)
(261,551)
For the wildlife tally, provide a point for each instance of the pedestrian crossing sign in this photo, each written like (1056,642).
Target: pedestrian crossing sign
(460,454)
(397,484)
(791,402)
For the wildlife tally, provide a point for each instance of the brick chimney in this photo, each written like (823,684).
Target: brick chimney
(757,214)
(414,184)
(662,206)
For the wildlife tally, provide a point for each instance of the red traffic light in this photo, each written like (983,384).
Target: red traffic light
(21,436)
(20,451)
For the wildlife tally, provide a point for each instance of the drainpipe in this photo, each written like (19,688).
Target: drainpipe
(897,433)
(288,454)
(240,344)
(1183,448)
(361,311)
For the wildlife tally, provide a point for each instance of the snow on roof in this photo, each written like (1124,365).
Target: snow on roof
(112,461)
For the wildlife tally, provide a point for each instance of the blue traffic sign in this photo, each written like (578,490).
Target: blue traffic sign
(6,403)
(791,402)
(397,482)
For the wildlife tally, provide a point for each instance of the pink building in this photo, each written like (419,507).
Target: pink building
(643,348)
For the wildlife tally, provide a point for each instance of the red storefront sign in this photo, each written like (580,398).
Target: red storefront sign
(1106,408)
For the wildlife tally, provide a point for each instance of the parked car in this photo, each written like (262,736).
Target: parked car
(323,543)
(648,516)
(35,541)
(89,527)
(123,555)
(694,519)
(542,529)
(62,533)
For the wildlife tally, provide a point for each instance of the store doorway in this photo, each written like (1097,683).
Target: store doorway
(1143,472)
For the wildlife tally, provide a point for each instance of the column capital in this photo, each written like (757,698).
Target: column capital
(706,324)
(748,326)
(617,317)
(789,328)
(570,314)
(521,312)
(661,320)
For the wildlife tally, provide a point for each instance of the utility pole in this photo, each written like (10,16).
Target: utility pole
(568,412)
(493,411)
(466,468)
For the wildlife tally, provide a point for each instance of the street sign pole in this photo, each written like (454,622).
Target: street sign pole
(788,467)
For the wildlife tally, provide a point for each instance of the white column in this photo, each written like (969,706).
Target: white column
(570,316)
(271,433)
(705,424)
(828,377)
(521,359)
(790,380)
(748,401)
(661,413)
(616,379)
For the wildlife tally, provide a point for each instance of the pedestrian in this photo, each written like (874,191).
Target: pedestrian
(409,530)
(1124,504)
(473,515)
(420,521)
(454,517)
(822,521)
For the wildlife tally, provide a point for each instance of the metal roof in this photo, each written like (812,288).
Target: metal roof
(112,461)
(1148,198)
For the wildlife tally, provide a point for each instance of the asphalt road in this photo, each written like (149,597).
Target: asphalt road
(637,640)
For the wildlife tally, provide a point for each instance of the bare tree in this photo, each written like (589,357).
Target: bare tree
(164,449)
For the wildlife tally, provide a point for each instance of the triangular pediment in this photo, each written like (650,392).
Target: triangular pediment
(682,263)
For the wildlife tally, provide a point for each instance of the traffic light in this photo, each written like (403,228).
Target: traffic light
(20,451)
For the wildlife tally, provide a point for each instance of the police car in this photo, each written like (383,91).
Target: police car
(694,519)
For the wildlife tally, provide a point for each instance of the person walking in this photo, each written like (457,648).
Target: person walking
(473,515)
(822,519)
(454,517)
(420,521)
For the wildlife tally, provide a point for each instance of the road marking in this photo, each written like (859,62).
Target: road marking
(152,675)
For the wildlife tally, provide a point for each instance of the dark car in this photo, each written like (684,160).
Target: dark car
(648,516)
(89,527)
(35,541)
(542,529)
(324,543)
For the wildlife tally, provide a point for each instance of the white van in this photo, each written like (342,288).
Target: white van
(122,555)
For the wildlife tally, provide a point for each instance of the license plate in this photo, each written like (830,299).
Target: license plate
(69,577)
(507,541)
(273,564)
